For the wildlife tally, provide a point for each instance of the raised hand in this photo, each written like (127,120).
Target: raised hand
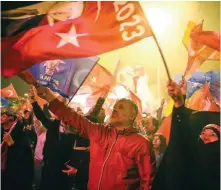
(45,93)
(183,86)
(8,139)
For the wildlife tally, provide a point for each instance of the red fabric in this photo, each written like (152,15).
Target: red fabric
(118,24)
(165,128)
(137,100)
(202,46)
(9,92)
(209,38)
(117,162)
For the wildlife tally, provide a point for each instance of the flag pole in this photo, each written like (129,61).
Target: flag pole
(158,45)
(82,82)
(162,56)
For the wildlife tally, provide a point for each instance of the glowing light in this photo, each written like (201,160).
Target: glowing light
(160,19)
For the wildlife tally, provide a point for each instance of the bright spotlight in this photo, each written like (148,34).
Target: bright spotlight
(159,19)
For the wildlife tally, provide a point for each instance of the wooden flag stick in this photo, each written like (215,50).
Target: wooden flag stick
(162,56)
(161,53)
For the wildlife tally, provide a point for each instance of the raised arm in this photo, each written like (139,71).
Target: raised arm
(40,115)
(69,116)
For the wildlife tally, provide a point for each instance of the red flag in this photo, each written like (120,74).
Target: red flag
(208,38)
(166,127)
(200,47)
(137,100)
(102,27)
(9,92)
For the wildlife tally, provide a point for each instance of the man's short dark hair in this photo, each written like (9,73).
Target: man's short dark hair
(26,111)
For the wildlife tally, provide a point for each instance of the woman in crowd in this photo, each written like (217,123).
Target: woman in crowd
(207,170)
(159,147)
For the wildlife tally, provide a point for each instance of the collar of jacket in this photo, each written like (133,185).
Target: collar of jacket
(127,131)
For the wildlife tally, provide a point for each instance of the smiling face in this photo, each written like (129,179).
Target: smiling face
(123,114)
(208,136)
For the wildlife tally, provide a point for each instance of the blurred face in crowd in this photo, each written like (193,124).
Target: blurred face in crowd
(27,115)
(148,125)
(156,142)
(123,114)
(4,118)
(208,136)
(9,122)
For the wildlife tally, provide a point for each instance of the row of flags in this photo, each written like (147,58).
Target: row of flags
(60,43)
(201,46)
(99,28)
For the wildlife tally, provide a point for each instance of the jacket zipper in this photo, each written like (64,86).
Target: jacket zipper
(102,170)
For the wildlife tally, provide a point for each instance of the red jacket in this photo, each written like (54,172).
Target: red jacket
(117,160)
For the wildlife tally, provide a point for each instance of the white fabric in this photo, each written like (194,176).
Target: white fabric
(40,146)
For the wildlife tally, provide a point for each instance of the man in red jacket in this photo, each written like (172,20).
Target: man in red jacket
(120,157)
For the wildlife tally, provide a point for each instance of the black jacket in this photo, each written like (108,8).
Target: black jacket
(19,161)
(176,171)
(58,146)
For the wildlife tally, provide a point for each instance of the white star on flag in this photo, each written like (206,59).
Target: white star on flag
(70,37)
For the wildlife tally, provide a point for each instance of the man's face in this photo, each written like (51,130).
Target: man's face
(208,136)
(4,118)
(122,114)
(27,115)
(148,124)
(156,142)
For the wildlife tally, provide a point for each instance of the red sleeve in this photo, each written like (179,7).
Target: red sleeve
(84,126)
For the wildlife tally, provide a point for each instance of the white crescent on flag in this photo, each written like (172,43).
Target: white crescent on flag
(10,93)
(76,79)
(98,10)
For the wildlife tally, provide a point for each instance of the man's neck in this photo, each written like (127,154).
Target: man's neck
(121,128)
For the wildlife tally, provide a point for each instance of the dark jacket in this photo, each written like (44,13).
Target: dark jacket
(56,152)
(176,169)
(20,163)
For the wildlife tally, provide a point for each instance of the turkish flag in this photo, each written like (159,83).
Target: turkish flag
(9,92)
(98,83)
(102,27)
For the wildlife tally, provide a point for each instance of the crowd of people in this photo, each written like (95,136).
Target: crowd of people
(60,148)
